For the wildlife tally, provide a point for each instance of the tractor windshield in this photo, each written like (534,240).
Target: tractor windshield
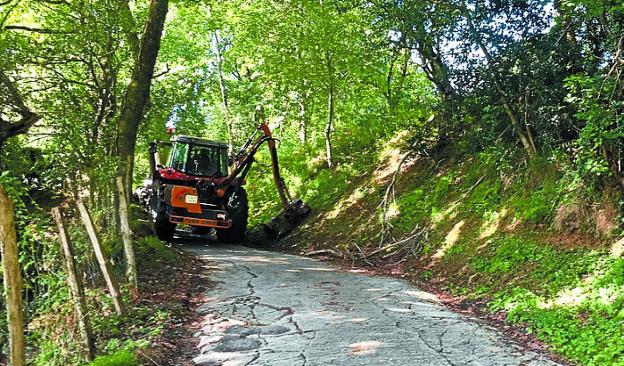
(207,161)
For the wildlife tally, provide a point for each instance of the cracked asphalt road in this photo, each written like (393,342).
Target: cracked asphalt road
(275,309)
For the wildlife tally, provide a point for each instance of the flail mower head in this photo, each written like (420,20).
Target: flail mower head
(287,220)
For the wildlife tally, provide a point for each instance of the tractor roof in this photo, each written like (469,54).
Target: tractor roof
(198,141)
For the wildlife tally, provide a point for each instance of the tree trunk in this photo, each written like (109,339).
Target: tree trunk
(330,110)
(126,233)
(138,89)
(393,92)
(12,281)
(216,49)
(434,67)
(525,139)
(75,286)
(303,122)
(15,104)
(102,258)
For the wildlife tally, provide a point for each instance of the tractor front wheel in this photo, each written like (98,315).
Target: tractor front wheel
(163,228)
(238,211)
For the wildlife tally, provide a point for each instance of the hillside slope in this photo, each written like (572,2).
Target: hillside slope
(536,246)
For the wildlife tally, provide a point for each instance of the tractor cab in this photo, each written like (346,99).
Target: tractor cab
(198,157)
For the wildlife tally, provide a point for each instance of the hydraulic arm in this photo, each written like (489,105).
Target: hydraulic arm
(245,158)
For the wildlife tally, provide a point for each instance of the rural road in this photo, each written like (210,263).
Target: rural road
(274,309)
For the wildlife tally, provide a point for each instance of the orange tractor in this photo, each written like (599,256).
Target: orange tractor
(199,187)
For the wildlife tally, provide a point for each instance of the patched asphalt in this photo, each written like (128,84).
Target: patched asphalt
(275,309)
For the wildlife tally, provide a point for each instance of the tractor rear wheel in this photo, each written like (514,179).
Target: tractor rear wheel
(238,210)
(163,228)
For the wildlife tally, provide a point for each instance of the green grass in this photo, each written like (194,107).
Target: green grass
(150,247)
(118,358)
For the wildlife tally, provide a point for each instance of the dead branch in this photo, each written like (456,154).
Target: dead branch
(166,71)
(330,252)
(385,202)
(465,194)
(364,256)
(413,235)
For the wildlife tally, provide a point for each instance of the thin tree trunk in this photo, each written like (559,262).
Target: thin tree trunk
(102,258)
(330,110)
(216,49)
(393,92)
(126,233)
(113,215)
(303,122)
(12,281)
(75,286)
(526,121)
(138,89)
(525,139)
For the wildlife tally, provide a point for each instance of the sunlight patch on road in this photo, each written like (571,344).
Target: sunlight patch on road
(364,348)
(358,320)
(399,310)
(421,295)
(206,340)
(221,358)
(219,325)
(316,269)
(358,271)
(260,259)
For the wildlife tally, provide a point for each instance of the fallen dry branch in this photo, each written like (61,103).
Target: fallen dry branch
(329,252)
(385,203)
(414,235)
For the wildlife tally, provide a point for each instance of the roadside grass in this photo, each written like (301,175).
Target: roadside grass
(118,358)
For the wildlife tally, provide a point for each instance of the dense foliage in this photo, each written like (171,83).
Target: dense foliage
(521,83)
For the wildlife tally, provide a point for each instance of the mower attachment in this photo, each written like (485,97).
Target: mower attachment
(287,220)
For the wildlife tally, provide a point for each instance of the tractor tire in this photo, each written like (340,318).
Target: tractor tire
(238,211)
(163,228)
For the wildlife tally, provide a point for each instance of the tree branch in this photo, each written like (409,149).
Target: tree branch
(35,30)
(28,118)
